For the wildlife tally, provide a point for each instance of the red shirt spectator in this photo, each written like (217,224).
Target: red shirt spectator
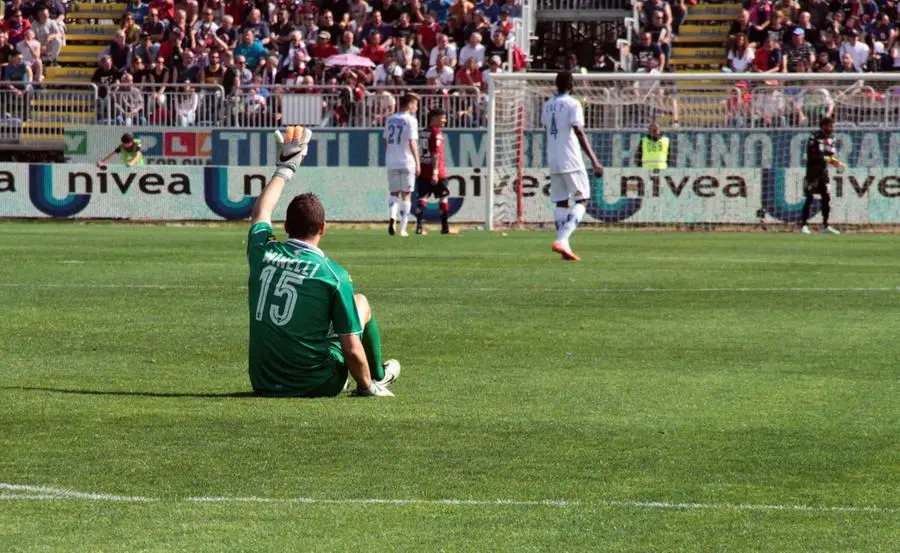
(15,27)
(237,9)
(427,33)
(470,75)
(166,9)
(375,52)
(323,48)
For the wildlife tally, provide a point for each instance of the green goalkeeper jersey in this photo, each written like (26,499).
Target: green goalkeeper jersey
(300,302)
(125,156)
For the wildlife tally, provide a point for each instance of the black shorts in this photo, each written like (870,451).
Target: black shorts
(425,188)
(816,185)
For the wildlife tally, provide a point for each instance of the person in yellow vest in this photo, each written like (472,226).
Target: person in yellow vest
(654,151)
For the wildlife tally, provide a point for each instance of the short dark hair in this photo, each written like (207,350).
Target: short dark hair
(407,99)
(826,121)
(305,216)
(564,81)
(127,138)
(436,112)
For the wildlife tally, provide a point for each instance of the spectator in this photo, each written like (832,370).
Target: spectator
(602,62)
(359,14)
(404,29)
(51,34)
(328,24)
(415,12)
(323,48)
(829,47)
(145,51)
(469,74)
(859,51)
(139,70)
(660,34)
(760,13)
(30,48)
(415,76)
(777,30)
(186,104)
(373,49)
(205,28)
(805,23)
(883,31)
(740,56)
(462,9)
(171,49)
(309,28)
(268,72)
(443,50)
(505,23)
(847,65)
(346,46)
(490,9)
(6,50)
(390,11)
(15,26)
(164,8)
(895,56)
(283,30)
(14,101)
(823,63)
(138,9)
(455,31)
(226,36)
(648,54)
(800,51)
(441,71)
(378,24)
(154,27)
(296,47)
(479,24)
(403,52)
(741,24)
(238,10)
(497,47)
(119,50)
(214,72)
(819,11)
(128,103)
(189,69)
(104,76)
(242,74)
(159,76)
(426,34)
(251,49)
(769,58)
(258,27)
(131,29)
(180,25)
(440,8)
(495,65)
(388,73)
(880,60)
(293,73)
(472,49)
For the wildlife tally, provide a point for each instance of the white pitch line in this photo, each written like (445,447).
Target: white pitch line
(649,290)
(23,492)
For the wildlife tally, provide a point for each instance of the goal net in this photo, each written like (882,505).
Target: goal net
(737,148)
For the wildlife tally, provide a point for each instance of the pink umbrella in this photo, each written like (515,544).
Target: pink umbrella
(349,60)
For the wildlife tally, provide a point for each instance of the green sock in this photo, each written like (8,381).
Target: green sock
(371,340)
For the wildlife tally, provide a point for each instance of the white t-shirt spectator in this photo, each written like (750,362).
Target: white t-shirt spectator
(741,63)
(399,129)
(446,77)
(383,74)
(559,116)
(859,53)
(468,52)
(450,53)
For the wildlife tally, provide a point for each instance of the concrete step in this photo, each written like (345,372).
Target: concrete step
(710,64)
(100,7)
(94,16)
(70,74)
(713,12)
(714,54)
(94,49)
(80,59)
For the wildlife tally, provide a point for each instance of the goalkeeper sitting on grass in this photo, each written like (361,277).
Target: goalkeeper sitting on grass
(307,328)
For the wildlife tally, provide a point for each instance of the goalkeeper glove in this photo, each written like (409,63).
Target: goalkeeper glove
(291,150)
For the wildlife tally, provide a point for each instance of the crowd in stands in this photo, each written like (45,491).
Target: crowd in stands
(32,34)
(257,50)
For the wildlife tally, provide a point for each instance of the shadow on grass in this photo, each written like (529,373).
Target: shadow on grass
(121,393)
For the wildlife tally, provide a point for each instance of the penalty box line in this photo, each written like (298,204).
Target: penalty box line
(597,290)
(24,492)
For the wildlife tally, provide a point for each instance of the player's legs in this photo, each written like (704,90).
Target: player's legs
(442,191)
(409,178)
(573,184)
(809,192)
(423,189)
(371,337)
(394,186)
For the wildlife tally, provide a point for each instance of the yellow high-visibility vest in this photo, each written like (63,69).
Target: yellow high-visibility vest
(655,153)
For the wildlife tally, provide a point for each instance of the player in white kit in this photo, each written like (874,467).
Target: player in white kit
(563,118)
(401,133)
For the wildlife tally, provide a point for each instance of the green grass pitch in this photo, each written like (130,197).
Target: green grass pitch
(672,392)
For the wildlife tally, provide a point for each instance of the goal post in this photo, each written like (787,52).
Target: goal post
(737,141)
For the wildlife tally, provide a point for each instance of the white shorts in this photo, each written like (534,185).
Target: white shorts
(574,184)
(401,180)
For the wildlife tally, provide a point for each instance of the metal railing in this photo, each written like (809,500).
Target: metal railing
(465,106)
(274,105)
(175,105)
(573,5)
(43,112)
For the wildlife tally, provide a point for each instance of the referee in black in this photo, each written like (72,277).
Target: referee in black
(819,155)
